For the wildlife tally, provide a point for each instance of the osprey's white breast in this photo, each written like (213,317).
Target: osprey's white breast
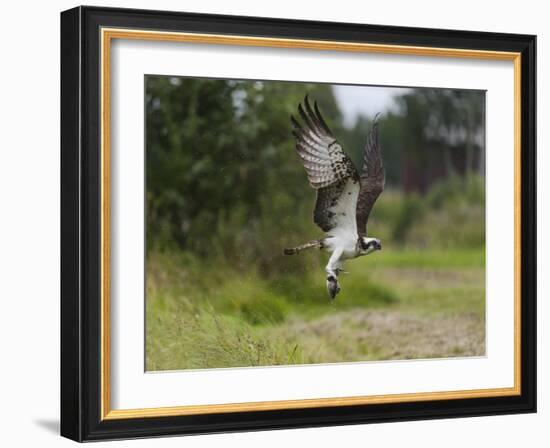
(347,244)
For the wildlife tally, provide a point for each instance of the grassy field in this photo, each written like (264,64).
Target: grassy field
(396,304)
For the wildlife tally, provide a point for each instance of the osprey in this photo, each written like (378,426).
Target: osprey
(345,197)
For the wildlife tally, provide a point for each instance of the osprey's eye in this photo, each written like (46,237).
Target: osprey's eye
(364,245)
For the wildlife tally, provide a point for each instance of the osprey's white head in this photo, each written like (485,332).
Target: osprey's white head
(367,245)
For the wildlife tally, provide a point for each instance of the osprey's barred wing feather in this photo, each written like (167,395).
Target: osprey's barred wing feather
(372,179)
(329,170)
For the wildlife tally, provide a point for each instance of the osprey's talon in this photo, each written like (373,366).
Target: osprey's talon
(333,287)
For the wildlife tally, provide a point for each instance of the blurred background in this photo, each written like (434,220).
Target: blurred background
(226,193)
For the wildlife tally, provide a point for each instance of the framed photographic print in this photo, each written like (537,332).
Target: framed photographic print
(275,224)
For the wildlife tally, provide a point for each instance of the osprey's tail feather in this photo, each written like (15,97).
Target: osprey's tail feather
(300,248)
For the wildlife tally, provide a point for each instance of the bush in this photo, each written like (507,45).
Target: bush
(411,211)
(450,215)
(455,190)
(461,227)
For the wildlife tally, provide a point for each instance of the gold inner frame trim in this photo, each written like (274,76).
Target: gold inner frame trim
(107,35)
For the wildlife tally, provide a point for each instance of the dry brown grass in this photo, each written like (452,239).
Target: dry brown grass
(361,334)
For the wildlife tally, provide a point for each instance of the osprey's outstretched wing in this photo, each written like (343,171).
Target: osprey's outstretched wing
(372,179)
(329,170)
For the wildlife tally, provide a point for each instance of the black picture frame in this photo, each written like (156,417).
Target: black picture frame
(81,227)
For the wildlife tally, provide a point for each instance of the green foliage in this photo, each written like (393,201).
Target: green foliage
(411,210)
(216,154)
(469,190)
(458,227)
(450,215)
(456,217)
(223,179)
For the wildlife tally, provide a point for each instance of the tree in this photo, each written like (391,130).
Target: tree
(217,151)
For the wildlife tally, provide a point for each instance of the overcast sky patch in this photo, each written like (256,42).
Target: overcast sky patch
(365,100)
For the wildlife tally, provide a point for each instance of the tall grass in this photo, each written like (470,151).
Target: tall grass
(238,301)
(199,317)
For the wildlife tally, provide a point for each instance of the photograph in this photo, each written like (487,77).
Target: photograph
(292,223)
(280,223)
